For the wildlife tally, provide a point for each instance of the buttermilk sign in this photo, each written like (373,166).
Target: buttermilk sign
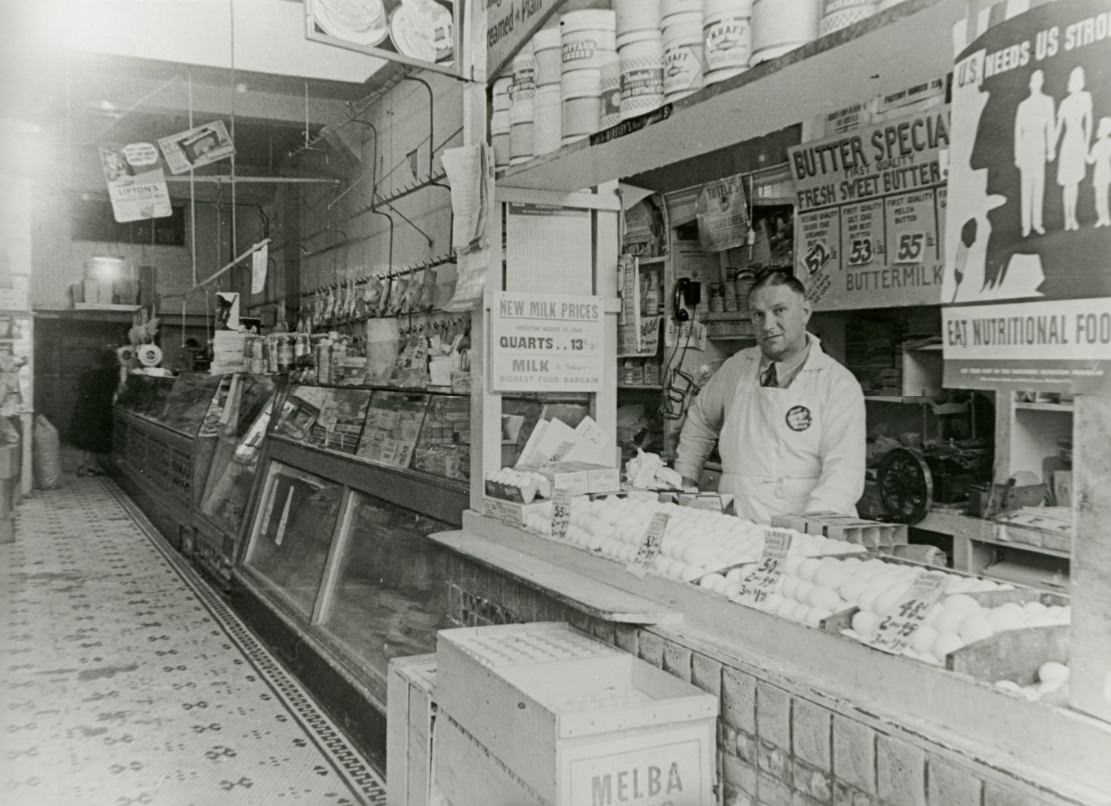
(546,343)
(871,203)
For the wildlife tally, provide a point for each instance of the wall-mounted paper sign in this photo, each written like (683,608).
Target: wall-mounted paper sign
(201,145)
(136,184)
(423,33)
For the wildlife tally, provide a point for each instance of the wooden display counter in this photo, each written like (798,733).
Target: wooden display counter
(807,714)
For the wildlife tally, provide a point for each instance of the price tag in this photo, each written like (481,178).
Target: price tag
(649,546)
(896,629)
(561,512)
(761,581)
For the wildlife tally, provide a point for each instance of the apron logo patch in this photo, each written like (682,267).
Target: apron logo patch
(799,418)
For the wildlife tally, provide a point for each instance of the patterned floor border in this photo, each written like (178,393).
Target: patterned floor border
(347,762)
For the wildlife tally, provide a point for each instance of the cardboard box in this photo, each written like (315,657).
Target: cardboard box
(581,478)
(539,713)
(411,715)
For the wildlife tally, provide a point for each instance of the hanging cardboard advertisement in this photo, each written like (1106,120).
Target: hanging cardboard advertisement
(136,184)
(723,219)
(1030,175)
(201,145)
(871,206)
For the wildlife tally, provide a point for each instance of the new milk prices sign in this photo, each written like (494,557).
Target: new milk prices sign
(546,343)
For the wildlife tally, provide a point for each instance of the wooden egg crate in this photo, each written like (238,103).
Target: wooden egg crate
(561,713)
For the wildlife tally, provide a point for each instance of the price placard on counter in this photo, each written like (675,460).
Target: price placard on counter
(898,627)
(761,581)
(561,512)
(649,548)
(546,342)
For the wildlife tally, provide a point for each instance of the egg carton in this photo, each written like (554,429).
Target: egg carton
(870,534)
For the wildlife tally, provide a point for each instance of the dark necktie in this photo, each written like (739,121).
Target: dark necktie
(768,378)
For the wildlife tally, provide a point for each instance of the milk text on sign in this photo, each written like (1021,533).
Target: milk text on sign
(636,785)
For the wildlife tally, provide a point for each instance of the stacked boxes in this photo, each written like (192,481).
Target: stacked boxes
(410,690)
(870,534)
(539,713)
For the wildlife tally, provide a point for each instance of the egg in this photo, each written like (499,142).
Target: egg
(710,579)
(865,624)
(827,599)
(1006,618)
(815,616)
(1053,674)
(933,614)
(772,602)
(786,608)
(886,601)
(790,586)
(923,639)
(945,643)
(974,627)
(830,576)
(867,600)
(802,591)
(852,589)
(808,568)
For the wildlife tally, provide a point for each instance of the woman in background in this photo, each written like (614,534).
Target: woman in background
(1074,120)
(91,427)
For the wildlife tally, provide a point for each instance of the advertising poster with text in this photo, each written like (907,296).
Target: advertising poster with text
(871,208)
(136,184)
(1029,221)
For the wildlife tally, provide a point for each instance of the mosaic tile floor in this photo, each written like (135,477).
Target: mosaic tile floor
(126,680)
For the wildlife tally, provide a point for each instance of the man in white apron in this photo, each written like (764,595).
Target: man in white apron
(788,420)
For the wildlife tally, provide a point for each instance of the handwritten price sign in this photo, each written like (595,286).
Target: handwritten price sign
(649,548)
(760,582)
(897,628)
(561,512)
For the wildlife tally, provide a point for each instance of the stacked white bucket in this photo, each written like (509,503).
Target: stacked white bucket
(684,64)
(499,121)
(587,42)
(780,26)
(838,14)
(548,109)
(640,54)
(727,31)
(522,97)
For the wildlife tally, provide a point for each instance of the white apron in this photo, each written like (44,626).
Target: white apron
(770,445)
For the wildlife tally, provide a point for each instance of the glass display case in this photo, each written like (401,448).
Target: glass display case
(295,524)
(389,596)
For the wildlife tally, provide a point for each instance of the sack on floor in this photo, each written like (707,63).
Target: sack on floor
(46,454)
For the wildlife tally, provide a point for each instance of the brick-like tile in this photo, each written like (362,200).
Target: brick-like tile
(773,760)
(650,647)
(746,746)
(810,733)
(626,637)
(738,699)
(738,774)
(706,673)
(815,783)
(773,715)
(602,630)
(802,799)
(854,754)
(1000,795)
(677,660)
(952,785)
(726,737)
(900,772)
(847,795)
(771,790)
(738,797)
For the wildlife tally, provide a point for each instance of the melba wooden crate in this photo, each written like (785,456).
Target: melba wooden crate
(560,718)
(411,711)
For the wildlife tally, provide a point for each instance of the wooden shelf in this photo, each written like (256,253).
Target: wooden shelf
(724,316)
(886,53)
(640,386)
(1060,408)
(902,399)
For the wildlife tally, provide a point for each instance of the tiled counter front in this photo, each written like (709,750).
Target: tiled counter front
(779,744)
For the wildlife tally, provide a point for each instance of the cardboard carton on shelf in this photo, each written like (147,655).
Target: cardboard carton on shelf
(410,697)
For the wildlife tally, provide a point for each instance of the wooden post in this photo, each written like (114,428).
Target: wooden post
(1090,639)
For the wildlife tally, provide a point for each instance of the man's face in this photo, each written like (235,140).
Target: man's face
(779,317)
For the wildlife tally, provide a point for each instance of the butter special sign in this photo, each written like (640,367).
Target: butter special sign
(871,203)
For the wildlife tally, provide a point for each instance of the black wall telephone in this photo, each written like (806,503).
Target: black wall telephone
(687,294)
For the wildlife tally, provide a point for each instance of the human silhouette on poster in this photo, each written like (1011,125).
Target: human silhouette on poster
(1027,95)
(1034,140)
(1074,132)
(1100,157)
